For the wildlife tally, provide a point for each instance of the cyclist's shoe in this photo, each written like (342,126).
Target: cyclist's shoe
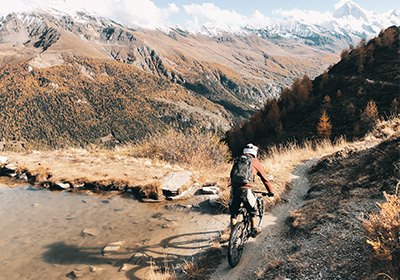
(255,232)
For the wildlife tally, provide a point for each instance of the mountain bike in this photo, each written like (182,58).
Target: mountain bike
(241,232)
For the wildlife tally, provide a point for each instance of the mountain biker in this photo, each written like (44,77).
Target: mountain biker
(244,193)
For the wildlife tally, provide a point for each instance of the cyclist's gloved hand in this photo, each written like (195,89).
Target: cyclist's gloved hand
(271,194)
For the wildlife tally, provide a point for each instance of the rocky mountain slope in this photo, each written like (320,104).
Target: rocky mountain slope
(343,101)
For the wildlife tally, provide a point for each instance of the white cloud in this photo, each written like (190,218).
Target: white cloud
(129,12)
(301,15)
(209,12)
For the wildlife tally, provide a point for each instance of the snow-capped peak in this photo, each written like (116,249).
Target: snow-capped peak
(350,10)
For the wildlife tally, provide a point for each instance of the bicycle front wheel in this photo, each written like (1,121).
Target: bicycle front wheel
(236,244)
(261,210)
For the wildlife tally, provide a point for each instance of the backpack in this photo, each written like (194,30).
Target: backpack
(241,173)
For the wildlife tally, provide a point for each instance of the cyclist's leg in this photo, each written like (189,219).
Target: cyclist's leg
(234,205)
(250,202)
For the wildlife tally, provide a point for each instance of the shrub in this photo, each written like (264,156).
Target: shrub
(194,148)
(383,233)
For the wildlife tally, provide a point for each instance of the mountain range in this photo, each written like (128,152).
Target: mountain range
(234,71)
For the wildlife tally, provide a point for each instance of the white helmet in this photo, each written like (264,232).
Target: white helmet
(251,150)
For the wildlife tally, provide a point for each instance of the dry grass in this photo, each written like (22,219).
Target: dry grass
(383,232)
(281,160)
(195,149)
(157,275)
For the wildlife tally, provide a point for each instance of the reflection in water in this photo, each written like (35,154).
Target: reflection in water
(43,233)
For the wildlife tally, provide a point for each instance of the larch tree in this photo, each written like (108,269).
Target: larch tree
(324,127)
(370,114)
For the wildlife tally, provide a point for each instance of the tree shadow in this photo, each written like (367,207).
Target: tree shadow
(183,247)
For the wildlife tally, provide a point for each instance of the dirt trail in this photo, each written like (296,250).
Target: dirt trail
(272,243)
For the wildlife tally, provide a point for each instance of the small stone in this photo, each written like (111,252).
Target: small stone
(23,176)
(91,231)
(118,209)
(3,160)
(74,274)
(210,190)
(63,185)
(112,248)
(124,267)
(157,215)
(95,269)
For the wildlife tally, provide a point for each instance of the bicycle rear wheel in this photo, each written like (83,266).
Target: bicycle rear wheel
(261,210)
(236,244)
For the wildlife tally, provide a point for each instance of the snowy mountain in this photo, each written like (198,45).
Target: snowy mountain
(348,25)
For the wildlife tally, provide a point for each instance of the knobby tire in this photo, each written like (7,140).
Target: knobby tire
(261,210)
(236,244)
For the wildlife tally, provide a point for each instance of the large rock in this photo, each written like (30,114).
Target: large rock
(174,182)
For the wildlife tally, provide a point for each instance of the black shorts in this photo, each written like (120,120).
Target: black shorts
(239,195)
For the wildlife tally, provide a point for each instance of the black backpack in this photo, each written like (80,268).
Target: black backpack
(241,173)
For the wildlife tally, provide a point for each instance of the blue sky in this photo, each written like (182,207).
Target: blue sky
(193,13)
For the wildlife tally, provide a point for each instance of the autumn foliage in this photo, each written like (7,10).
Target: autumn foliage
(324,126)
(361,88)
(383,232)
(83,100)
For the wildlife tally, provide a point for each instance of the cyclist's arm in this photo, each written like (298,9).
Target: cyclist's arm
(263,176)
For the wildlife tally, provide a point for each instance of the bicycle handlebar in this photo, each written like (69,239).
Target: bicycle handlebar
(263,193)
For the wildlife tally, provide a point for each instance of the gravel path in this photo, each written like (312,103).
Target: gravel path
(271,244)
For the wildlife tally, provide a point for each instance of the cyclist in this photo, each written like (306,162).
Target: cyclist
(244,193)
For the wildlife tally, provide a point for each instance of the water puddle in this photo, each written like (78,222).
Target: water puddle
(46,235)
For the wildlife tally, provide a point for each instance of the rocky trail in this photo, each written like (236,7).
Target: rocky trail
(272,244)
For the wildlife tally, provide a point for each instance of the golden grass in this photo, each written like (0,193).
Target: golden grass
(157,275)
(383,231)
(281,160)
(196,149)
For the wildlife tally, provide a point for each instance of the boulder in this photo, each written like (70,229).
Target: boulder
(174,182)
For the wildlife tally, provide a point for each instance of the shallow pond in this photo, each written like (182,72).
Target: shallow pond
(47,235)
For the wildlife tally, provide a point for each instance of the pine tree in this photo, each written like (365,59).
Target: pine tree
(324,127)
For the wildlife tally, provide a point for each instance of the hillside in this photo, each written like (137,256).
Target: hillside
(83,100)
(328,235)
(238,71)
(343,101)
